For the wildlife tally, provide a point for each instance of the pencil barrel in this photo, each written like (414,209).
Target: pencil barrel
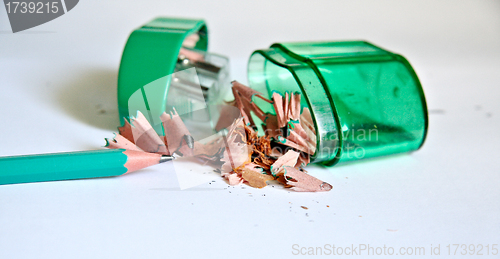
(62,166)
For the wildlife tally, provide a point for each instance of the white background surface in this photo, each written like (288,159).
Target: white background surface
(57,78)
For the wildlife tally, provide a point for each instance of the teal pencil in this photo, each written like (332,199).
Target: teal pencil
(75,165)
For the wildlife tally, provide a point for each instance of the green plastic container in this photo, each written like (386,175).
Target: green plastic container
(154,79)
(149,56)
(365,101)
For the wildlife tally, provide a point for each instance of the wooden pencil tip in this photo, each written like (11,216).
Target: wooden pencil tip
(166,158)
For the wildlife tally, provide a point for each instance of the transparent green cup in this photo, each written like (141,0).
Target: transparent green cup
(365,101)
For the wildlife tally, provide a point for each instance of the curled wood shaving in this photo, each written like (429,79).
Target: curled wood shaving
(288,142)
(302,182)
(121,142)
(144,136)
(236,153)
(209,151)
(177,137)
(288,159)
(127,131)
(255,178)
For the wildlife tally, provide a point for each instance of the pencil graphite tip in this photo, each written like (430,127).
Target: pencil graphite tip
(166,158)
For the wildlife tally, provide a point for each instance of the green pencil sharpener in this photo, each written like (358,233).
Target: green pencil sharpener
(165,66)
(365,101)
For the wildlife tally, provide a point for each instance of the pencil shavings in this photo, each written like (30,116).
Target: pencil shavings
(236,154)
(288,159)
(286,126)
(303,160)
(280,154)
(255,177)
(243,101)
(177,136)
(191,40)
(260,147)
(145,137)
(139,135)
(211,151)
(128,132)
(228,115)
(120,141)
(288,142)
(191,55)
(302,182)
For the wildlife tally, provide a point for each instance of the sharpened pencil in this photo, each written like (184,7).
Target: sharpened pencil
(75,165)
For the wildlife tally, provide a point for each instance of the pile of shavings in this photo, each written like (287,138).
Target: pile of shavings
(242,155)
